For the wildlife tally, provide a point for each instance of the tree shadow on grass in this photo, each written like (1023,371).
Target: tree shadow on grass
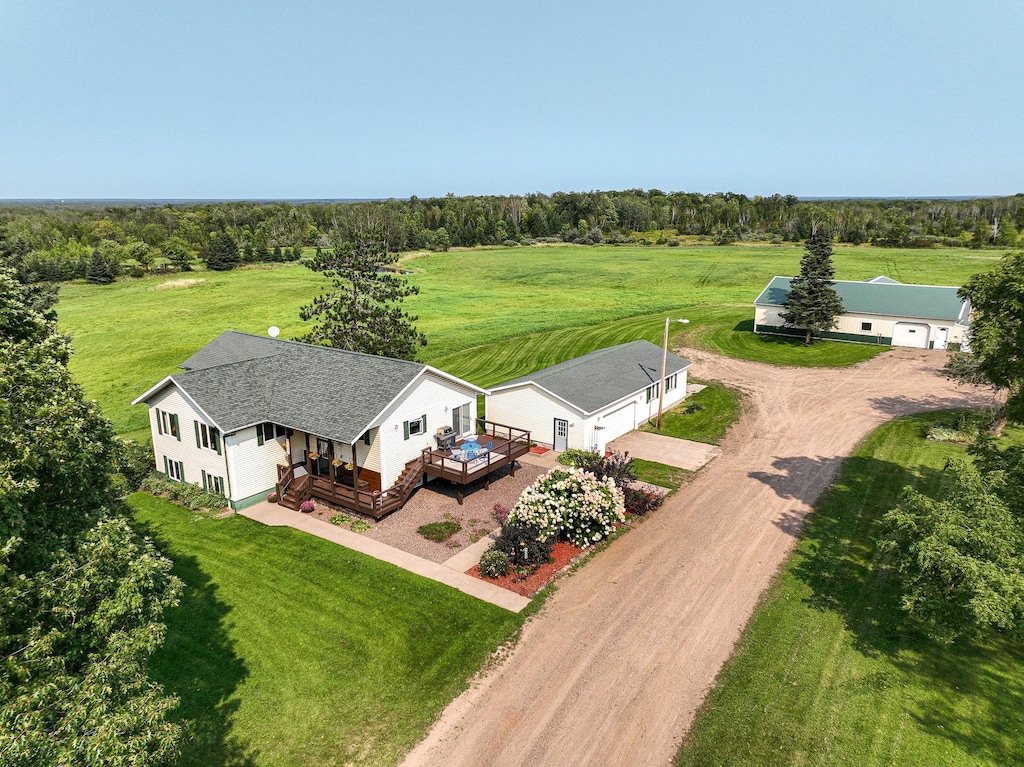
(197,663)
(837,558)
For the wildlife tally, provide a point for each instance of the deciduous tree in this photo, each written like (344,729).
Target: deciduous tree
(996,335)
(81,593)
(362,311)
(812,303)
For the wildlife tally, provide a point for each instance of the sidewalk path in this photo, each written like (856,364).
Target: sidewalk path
(277,516)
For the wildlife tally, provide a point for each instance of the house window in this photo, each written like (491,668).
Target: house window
(174,469)
(865,326)
(672,382)
(167,423)
(461,419)
(418,426)
(653,391)
(207,437)
(268,430)
(212,484)
(366,437)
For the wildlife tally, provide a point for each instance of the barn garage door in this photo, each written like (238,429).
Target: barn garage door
(910,334)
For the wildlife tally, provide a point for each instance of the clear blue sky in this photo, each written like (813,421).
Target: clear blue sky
(307,99)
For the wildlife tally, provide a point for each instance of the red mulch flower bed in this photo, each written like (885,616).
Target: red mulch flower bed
(538,450)
(562,553)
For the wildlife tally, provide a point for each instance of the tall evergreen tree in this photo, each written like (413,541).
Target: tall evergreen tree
(100,271)
(362,311)
(813,303)
(81,593)
(222,252)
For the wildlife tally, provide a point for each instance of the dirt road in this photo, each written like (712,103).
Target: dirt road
(614,667)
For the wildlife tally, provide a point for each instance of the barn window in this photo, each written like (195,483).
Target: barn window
(865,326)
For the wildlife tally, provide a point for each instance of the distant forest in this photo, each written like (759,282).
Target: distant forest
(57,242)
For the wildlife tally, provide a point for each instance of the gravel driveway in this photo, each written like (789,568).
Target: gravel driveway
(614,667)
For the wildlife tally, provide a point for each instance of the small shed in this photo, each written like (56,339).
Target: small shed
(877,311)
(588,401)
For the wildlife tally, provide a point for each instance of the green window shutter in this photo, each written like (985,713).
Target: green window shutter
(181,470)
(204,480)
(174,426)
(196,424)
(424,419)
(159,425)
(259,434)
(166,472)
(215,436)
(406,429)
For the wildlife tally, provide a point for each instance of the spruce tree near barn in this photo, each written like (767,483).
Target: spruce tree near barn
(812,303)
(363,310)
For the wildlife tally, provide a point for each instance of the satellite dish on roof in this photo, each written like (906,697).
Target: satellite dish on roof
(273,331)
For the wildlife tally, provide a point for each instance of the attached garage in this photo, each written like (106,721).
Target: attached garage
(877,311)
(588,401)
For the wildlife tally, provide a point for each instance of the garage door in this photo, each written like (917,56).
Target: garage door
(615,424)
(910,334)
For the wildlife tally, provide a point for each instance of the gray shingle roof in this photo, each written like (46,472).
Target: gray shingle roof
(241,379)
(602,377)
(882,297)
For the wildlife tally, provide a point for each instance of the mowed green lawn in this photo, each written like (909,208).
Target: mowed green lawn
(489,314)
(824,674)
(290,650)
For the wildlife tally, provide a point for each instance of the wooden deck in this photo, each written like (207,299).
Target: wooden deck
(506,445)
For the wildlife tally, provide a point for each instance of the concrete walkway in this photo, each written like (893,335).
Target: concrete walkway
(451,573)
(681,453)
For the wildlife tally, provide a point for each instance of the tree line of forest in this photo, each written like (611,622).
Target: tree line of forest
(57,242)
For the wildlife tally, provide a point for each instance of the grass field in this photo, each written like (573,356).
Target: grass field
(824,674)
(290,650)
(489,314)
(719,409)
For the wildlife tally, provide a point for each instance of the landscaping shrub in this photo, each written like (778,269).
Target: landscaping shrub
(618,466)
(340,519)
(695,407)
(439,532)
(501,513)
(576,457)
(573,503)
(521,543)
(184,494)
(307,507)
(640,502)
(495,563)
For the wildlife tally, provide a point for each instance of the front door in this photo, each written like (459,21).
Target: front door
(942,338)
(561,434)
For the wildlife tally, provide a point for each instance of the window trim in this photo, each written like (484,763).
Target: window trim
(653,392)
(421,426)
(866,326)
(671,382)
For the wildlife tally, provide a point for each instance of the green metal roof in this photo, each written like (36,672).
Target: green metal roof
(602,377)
(883,297)
(240,379)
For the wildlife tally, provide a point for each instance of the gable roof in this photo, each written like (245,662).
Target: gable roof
(884,296)
(602,377)
(239,379)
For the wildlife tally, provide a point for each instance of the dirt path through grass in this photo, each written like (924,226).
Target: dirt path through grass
(613,669)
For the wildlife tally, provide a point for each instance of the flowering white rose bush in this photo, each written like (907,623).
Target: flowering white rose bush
(573,503)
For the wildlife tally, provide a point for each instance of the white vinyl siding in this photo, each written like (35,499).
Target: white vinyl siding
(194,460)
(252,467)
(528,407)
(428,396)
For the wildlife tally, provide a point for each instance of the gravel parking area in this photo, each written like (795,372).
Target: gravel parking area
(436,502)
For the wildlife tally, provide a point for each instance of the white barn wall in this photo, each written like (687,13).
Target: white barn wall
(881,325)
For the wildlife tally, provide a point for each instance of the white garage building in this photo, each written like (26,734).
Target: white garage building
(877,311)
(588,401)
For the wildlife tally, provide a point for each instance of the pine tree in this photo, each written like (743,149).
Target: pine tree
(222,253)
(362,312)
(813,303)
(99,271)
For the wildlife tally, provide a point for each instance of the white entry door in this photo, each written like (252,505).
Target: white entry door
(941,338)
(561,441)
